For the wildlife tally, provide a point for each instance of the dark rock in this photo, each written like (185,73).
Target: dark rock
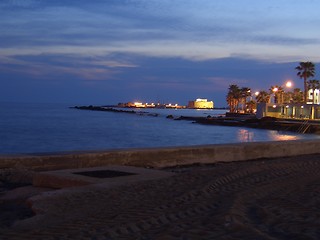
(268,119)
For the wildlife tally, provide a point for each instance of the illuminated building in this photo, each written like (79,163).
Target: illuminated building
(313,96)
(290,110)
(201,103)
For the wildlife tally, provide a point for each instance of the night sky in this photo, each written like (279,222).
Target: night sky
(110,51)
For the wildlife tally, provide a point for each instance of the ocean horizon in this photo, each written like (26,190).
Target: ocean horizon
(28,128)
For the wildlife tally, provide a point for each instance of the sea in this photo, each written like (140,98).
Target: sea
(33,128)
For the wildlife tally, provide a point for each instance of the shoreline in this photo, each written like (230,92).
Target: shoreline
(162,157)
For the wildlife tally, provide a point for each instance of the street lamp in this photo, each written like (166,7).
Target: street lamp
(289,84)
(275,90)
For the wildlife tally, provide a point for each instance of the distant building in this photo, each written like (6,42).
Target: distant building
(201,103)
(149,105)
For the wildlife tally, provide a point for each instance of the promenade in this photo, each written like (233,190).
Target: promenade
(265,199)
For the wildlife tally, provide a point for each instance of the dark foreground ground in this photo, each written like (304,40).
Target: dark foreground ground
(265,199)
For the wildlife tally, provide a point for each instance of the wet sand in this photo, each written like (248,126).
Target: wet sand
(263,199)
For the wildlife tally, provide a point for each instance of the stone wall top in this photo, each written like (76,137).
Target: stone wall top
(162,157)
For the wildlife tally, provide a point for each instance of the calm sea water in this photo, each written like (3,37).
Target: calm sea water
(43,128)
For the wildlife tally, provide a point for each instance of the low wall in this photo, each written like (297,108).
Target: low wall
(163,157)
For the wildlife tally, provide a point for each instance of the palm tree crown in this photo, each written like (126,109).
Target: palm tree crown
(305,71)
(263,97)
(237,96)
(278,92)
(233,97)
(297,96)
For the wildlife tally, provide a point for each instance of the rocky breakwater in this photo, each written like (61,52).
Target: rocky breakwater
(112,109)
(243,120)
(270,123)
(104,109)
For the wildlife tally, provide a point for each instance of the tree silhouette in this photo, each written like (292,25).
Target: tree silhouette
(263,97)
(305,70)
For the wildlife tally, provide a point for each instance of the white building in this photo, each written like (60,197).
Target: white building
(314,96)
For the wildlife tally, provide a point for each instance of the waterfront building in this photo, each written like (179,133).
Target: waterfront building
(291,110)
(201,103)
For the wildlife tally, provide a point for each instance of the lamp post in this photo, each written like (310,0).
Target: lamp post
(289,85)
(275,90)
(286,110)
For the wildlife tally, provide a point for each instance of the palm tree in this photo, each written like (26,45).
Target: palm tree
(287,97)
(278,93)
(263,97)
(245,93)
(305,71)
(297,96)
(313,84)
(251,105)
(233,97)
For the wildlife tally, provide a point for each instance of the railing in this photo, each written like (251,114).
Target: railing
(304,127)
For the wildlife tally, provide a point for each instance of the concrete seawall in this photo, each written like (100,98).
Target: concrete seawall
(163,157)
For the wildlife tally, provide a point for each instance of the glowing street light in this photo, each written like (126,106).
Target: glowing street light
(289,84)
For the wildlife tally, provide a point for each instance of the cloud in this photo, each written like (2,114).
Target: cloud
(161,28)
(48,65)
(126,77)
(13,5)
(285,41)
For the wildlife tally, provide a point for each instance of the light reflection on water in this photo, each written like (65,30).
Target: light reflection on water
(245,135)
(282,136)
(248,135)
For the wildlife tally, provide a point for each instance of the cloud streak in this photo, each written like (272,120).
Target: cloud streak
(151,27)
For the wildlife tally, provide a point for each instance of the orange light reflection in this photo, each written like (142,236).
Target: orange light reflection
(245,136)
(282,137)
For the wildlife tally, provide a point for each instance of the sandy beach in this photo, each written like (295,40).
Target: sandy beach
(263,199)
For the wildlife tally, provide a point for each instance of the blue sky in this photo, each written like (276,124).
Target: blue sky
(105,52)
